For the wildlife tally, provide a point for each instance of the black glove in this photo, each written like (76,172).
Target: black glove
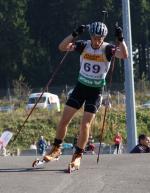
(78,30)
(119,33)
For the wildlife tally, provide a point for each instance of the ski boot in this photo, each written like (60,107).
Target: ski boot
(75,162)
(52,156)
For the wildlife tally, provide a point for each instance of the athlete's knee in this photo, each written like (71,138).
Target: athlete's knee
(86,126)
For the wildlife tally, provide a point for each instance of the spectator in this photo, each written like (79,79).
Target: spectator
(143,145)
(42,146)
(33,145)
(48,145)
(118,142)
(91,139)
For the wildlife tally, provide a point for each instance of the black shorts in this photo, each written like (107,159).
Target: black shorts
(89,96)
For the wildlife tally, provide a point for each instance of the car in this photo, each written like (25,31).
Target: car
(48,101)
(146,105)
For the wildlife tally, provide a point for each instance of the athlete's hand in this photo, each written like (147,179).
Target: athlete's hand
(71,47)
(79,30)
(118,33)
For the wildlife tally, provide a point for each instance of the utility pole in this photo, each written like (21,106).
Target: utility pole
(129,79)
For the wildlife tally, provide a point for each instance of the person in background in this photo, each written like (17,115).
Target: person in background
(33,145)
(118,142)
(143,145)
(48,147)
(42,146)
(90,145)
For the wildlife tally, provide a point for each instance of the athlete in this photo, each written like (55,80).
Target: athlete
(95,59)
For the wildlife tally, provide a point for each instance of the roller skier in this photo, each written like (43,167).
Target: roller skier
(95,58)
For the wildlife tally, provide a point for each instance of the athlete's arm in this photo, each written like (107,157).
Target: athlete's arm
(67,44)
(121,50)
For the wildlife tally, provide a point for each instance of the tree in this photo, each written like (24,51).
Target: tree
(140,17)
(13,30)
(30,31)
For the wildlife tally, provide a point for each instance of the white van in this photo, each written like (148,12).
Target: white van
(48,101)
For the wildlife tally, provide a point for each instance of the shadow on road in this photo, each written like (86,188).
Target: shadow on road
(11,170)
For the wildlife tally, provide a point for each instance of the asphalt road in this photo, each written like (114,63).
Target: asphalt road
(126,173)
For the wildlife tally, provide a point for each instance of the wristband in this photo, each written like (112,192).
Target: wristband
(74,34)
(120,39)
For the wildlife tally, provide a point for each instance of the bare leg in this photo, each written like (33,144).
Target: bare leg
(67,116)
(85,129)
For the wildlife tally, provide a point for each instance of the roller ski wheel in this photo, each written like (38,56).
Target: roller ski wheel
(72,167)
(75,162)
(38,163)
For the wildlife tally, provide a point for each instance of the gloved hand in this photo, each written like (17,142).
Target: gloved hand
(119,33)
(76,32)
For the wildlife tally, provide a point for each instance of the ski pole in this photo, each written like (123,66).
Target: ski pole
(45,88)
(105,13)
(104,119)
(106,107)
(49,82)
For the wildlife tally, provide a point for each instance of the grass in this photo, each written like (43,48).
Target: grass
(43,122)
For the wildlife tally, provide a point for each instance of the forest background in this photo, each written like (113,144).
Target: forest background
(30,31)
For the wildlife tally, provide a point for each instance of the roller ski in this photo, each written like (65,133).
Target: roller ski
(75,162)
(52,156)
(38,163)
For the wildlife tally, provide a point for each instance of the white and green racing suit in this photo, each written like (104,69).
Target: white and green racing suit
(94,65)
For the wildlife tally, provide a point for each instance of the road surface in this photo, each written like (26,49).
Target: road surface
(126,173)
